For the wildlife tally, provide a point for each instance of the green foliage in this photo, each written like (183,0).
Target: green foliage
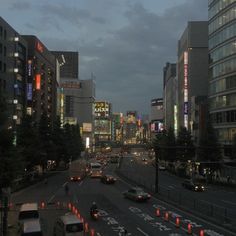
(209,148)
(185,147)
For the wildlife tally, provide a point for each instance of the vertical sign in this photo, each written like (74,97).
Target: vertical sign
(29,92)
(186,90)
(38,81)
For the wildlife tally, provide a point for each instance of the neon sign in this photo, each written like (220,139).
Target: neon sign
(186,90)
(38,81)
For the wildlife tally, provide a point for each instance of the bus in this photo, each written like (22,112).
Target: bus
(95,170)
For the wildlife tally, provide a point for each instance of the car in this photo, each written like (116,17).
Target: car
(189,184)
(136,194)
(108,179)
(162,168)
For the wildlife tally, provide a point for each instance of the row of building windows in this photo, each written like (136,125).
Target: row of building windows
(223,68)
(218,7)
(222,20)
(3,67)
(3,84)
(223,84)
(3,33)
(224,117)
(223,101)
(223,35)
(222,52)
(3,50)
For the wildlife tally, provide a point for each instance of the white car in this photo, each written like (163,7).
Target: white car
(162,167)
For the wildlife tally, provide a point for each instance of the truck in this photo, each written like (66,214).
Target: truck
(77,170)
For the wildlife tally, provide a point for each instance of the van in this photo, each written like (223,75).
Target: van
(95,169)
(28,211)
(68,225)
(31,228)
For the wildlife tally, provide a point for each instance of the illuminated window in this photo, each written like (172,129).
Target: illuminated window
(16,39)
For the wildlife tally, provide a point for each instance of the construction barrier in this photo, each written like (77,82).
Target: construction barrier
(166,216)
(158,212)
(189,228)
(201,233)
(177,222)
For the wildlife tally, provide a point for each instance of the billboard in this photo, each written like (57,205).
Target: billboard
(29,92)
(101,109)
(157,126)
(87,127)
(102,127)
(131,117)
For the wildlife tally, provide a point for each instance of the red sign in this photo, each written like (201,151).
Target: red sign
(39,47)
(38,81)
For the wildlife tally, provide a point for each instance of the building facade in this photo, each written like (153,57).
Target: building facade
(192,69)
(13,76)
(170,95)
(222,68)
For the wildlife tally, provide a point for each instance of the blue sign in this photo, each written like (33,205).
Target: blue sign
(29,92)
(186,108)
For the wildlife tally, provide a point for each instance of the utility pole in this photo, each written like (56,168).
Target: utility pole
(157,173)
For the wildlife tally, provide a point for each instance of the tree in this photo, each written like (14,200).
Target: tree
(8,158)
(209,149)
(171,145)
(27,142)
(185,147)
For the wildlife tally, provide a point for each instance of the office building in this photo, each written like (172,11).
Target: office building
(13,57)
(69,62)
(42,80)
(222,68)
(170,96)
(192,69)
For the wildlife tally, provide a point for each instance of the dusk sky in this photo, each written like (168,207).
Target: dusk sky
(124,43)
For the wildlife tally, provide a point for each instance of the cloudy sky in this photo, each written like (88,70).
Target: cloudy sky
(124,43)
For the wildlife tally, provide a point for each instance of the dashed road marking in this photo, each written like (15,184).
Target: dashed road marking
(51,198)
(141,231)
(64,184)
(231,203)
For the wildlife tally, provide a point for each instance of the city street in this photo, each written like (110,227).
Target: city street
(116,212)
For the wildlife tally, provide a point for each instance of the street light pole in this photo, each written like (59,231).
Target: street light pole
(157,173)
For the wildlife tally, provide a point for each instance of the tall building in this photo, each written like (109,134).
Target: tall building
(13,57)
(42,80)
(192,75)
(222,68)
(69,62)
(170,95)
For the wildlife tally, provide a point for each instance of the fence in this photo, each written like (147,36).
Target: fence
(218,214)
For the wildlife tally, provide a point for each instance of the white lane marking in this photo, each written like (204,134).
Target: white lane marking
(189,214)
(99,234)
(81,183)
(64,184)
(141,231)
(232,203)
(51,198)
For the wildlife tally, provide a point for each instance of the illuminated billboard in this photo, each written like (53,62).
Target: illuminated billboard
(87,127)
(38,81)
(102,109)
(131,117)
(157,126)
(102,127)
(186,90)
(29,92)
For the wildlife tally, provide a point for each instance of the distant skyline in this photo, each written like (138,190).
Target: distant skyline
(124,43)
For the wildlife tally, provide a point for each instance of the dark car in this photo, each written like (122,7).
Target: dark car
(136,194)
(189,184)
(108,179)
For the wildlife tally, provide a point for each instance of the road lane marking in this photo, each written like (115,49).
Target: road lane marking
(51,198)
(141,231)
(189,214)
(81,183)
(99,234)
(232,203)
(64,184)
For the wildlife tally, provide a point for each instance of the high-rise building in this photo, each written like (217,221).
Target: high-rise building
(13,57)
(69,62)
(169,95)
(42,80)
(222,68)
(192,69)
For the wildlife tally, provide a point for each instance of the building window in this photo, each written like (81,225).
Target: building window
(4,67)
(0,66)
(5,52)
(5,34)
(1,31)
(0,48)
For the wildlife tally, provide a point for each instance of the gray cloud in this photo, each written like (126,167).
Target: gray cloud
(128,62)
(20,5)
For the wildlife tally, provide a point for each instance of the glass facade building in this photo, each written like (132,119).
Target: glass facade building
(222,68)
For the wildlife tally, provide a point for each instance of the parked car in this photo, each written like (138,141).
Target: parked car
(108,179)
(162,167)
(136,194)
(189,184)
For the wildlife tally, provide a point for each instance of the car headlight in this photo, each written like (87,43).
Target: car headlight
(196,187)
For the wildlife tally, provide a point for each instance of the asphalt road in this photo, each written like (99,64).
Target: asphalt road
(115,212)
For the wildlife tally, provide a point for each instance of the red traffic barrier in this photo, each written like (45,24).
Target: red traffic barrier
(76,211)
(189,228)
(69,206)
(86,227)
(42,205)
(78,215)
(177,222)
(158,212)
(166,216)
(92,232)
(201,233)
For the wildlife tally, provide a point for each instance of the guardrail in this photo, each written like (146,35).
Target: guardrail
(219,215)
